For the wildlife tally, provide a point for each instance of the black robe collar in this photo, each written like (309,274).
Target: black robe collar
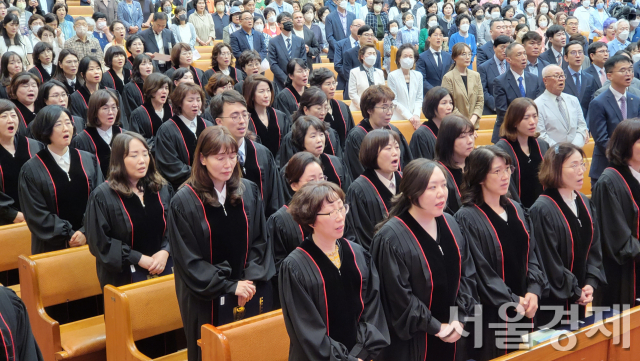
(294,92)
(190,140)
(381,189)
(233,72)
(196,77)
(27,115)
(117,82)
(329,170)
(103,150)
(431,125)
(251,166)
(337,120)
(366,125)
(631,182)
(263,132)
(44,75)
(154,119)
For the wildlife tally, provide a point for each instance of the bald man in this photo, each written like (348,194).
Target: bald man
(342,47)
(560,116)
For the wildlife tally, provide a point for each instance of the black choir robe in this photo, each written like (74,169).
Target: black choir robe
(287,100)
(110,233)
(3,92)
(41,200)
(332,167)
(18,342)
(354,140)
(111,80)
(420,280)
(91,141)
(260,168)
(423,141)
(198,75)
(129,63)
(235,74)
(271,136)
(25,117)
(324,323)
(454,182)
(487,252)
(79,105)
(288,149)
(10,165)
(145,121)
(616,196)
(132,95)
(42,74)
(199,281)
(175,145)
(570,249)
(370,201)
(8,212)
(340,120)
(514,187)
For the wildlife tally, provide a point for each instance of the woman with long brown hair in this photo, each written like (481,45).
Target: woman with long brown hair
(509,270)
(218,267)
(520,141)
(147,118)
(465,85)
(125,221)
(182,57)
(221,57)
(425,269)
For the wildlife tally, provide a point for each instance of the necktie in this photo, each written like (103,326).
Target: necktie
(577,78)
(563,110)
(289,46)
(241,157)
(603,78)
(521,86)
(559,59)
(623,107)
(501,67)
(356,44)
(439,60)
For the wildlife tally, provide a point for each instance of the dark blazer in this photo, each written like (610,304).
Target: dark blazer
(604,116)
(488,71)
(349,61)
(150,45)
(431,74)
(334,30)
(239,43)
(551,59)
(636,69)
(506,90)
(540,65)
(342,46)
(279,57)
(314,47)
(588,86)
(485,53)
(596,77)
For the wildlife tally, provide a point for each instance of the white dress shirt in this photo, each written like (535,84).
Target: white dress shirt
(389,183)
(572,202)
(160,43)
(160,113)
(524,83)
(555,54)
(48,68)
(63,161)
(106,134)
(353,41)
(191,124)
(242,152)
(504,215)
(435,57)
(618,96)
(222,196)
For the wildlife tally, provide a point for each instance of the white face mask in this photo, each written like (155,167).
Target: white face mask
(624,35)
(409,24)
(101,24)
(343,4)
(531,10)
(495,15)
(636,57)
(377,8)
(433,23)
(634,23)
(272,19)
(586,4)
(542,24)
(393,30)
(370,60)
(544,10)
(308,17)
(259,27)
(464,28)
(514,3)
(406,63)
(81,30)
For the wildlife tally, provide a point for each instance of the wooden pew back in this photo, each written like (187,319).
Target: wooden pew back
(15,240)
(132,313)
(239,341)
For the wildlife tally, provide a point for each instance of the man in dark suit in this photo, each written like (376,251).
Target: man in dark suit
(485,52)
(310,41)
(350,58)
(578,83)
(342,47)
(608,109)
(239,40)
(334,29)
(558,39)
(599,53)
(283,48)
(493,68)
(159,39)
(433,63)
(514,83)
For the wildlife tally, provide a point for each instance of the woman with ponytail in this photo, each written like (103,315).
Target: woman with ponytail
(425,269)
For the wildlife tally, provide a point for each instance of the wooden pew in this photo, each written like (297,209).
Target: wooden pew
(484,138)
(588,148)
(239,341)
(202,64)
(85,11)
(589,347)
(487,122)
(405,127)
(269,74)
(15,240)
(132,313)
(54,278)
(339,95)
(392,64)
(326,65)
(357,117)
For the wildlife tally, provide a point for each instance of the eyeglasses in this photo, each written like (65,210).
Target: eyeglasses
(334,213)
(506,171)
(576,52)
(253,64)
(576,166)
(106,109)
(332,84)
(367,35)
(602,52)
(556,76)
(624,71)
(62,95)
(236,117)
(226,53)
(466,55)
(388,108)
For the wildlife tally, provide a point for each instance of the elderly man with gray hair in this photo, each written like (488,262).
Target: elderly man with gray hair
(621,41)
(560,117)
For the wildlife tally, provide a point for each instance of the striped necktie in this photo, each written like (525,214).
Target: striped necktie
(289,46)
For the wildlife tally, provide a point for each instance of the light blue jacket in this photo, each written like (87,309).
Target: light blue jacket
(594,21)
(175,29)
(130,19)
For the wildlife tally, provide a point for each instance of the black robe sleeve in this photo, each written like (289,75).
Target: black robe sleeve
(259,266)
(14,311)
(171,164)
(79,124)
(272,186)
(285,102)
(7,213)
(286,151)
(140,123)
(351,155)
(132,98)
(423,144)
(334,141)
(595,271)
(364,213)
(77,106)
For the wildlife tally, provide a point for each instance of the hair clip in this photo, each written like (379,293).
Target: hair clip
(557,148)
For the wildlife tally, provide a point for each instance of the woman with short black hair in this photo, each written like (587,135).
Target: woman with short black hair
(132,93)
(437,104)
(287,100)
(134,46)
(181,75)
(23,91)
(54,185)
(67,70)
(338,114)
(115,58)
(10,66)
(54,92)
(156,109)
(249,62)
(12,41)
(43,61)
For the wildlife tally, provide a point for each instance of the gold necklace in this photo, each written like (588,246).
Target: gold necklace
(334,257)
